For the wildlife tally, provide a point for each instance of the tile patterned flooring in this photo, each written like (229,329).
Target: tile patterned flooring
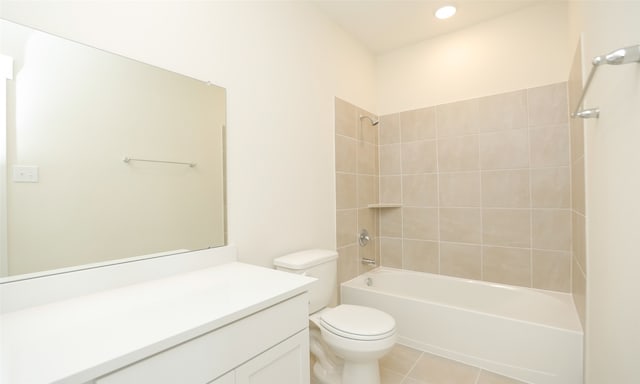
(404,365)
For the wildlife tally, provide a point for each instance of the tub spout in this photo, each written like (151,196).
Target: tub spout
(367,261)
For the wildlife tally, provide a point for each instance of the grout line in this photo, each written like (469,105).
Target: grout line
(530,190)
(435,121)
(406,375)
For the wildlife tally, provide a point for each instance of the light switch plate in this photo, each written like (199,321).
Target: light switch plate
(25,173)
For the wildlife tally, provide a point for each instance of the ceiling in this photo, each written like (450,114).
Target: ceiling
(387,25)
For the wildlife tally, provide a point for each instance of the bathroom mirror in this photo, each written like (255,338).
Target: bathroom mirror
(74,114)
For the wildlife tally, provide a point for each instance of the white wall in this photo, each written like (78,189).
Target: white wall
(282,65)
(612,187)
(521,50)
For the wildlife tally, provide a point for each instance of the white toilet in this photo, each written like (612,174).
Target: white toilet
(346,340)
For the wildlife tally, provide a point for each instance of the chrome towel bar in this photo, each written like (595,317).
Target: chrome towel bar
(129,159)
(619,56)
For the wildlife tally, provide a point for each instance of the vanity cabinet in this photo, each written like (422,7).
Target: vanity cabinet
(267,347)
(229,323)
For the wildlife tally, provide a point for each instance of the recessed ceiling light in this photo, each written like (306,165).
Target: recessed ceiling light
(445,12)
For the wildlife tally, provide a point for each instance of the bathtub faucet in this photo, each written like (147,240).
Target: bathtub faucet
(367,261)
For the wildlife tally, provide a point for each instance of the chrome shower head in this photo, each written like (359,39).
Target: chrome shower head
(373,122)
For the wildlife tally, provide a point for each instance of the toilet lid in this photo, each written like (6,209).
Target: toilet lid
(358,322)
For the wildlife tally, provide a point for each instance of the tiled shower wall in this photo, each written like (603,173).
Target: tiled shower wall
(483,184)
(357,184)
(578,211)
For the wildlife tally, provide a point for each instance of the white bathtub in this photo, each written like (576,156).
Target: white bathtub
(527,334)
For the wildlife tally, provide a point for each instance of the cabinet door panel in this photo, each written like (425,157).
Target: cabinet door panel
(286,363)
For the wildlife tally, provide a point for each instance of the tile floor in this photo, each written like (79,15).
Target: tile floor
(404,365)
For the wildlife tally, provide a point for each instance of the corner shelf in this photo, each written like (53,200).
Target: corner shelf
(385,205)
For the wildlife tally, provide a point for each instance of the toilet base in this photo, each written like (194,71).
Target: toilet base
(353,373)
(361,373)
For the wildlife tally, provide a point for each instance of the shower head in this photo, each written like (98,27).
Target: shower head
(373,122)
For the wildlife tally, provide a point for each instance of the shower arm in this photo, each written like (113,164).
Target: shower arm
(619,56)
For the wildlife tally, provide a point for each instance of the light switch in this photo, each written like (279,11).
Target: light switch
(25,173)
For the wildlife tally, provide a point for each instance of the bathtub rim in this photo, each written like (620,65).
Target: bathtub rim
(564,297)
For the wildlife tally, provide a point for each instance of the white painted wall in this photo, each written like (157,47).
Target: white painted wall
(282,65)
(612,190)
(521,50)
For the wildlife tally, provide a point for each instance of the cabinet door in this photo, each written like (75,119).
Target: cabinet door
(285,363)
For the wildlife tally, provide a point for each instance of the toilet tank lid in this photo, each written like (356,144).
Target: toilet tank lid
(305,259)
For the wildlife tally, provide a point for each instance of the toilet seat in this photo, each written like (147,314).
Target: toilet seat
(358,323)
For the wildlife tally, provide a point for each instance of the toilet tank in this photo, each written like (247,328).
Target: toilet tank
(319,263)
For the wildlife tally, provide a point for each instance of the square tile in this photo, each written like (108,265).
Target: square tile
(458,154)
(551,229)
(507,265)
(550,146)
(506,189)
(504,150)
(420,190)
(548,105)
(459,189)
(421,256)
(420,223)
(461,260)
(460,225)
(506,227)
(418,124)
(419,157)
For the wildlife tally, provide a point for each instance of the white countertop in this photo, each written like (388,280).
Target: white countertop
(76,340)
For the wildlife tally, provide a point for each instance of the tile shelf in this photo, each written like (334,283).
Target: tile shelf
(385,205)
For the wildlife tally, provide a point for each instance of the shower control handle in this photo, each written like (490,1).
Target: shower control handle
(364,238)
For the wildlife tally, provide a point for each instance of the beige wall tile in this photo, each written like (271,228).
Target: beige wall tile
(506,227)
(367,131)
(507,265)
(461,225)
(455,119)
(506,189)
(369,251)
(548,105)
(419,157)
(391,222)
(390,159)
(419,124)
(549,146)
(433,369)
(458,153)
(391,252)
(459,189)
(346,191)
(504,149)
(390,189)
(551,229)
(578,290)
(367,190)
(346,118)
(550,187)
(578,186)
(552,270)
(420,255)
(504,111)
(367,219)
(346,154)
(420,223)
(578,240)
(420,190)
(389,130)
(576,131)
(461,260)
(346,227)
(367,158)
(347,263)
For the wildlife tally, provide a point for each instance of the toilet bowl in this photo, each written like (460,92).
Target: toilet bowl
(347,340)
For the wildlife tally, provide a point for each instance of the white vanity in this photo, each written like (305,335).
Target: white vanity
(226,322)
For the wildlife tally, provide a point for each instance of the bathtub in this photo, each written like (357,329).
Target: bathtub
(527,334)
